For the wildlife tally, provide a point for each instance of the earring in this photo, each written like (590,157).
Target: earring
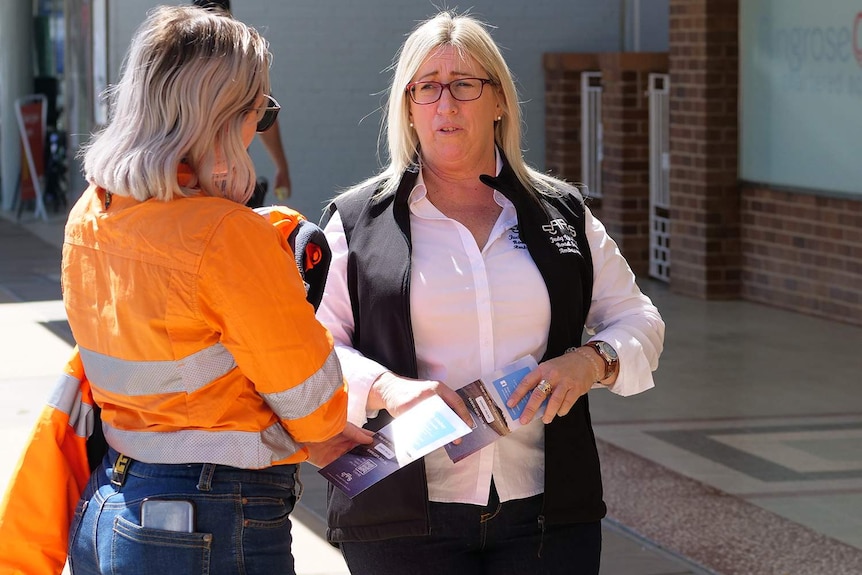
(499,118)
(411,124)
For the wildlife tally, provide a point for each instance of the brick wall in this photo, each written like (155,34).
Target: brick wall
(802,252)
(563,112)
(704,190)
(794,249)
(625,167)
(624,206)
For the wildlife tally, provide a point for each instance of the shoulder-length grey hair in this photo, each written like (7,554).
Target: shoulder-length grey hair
(469,37)
(189,79)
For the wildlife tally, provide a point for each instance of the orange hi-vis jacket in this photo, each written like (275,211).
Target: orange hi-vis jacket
(40,500)
(194,331)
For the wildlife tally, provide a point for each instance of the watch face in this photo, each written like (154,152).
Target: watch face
(606,350)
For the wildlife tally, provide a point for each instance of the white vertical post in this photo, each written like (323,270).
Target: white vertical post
(16,80)
(78,88)
(100,60)
(659,154)
(591,132)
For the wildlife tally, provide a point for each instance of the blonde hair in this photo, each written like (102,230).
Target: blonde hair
(189,79)
(469,37)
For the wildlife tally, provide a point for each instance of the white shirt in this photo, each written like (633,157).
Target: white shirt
(476,310)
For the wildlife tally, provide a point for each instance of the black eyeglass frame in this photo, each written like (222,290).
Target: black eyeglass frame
(270,115)
(409,89)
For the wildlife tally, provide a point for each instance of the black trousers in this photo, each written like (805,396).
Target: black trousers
(497,539)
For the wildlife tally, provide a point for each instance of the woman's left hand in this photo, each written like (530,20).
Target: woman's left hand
(561,380)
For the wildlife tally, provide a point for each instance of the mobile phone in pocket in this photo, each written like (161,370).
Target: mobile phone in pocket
(168,515)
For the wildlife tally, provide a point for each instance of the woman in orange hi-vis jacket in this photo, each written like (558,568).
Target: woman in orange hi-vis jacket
(211,393)
(65,442)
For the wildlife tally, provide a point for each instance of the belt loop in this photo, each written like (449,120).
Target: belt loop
(206,480)
(121,466)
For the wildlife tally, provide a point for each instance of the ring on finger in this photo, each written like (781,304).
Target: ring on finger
(544,387)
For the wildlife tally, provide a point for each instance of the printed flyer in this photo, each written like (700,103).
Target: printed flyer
(486,399)
(427,426)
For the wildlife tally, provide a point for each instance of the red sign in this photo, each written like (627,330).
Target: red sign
(32,114)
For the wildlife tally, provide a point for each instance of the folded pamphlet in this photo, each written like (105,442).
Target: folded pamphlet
(427,426)
(486,400)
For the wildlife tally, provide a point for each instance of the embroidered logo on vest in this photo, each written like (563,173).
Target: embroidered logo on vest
(562,236)
(515,238)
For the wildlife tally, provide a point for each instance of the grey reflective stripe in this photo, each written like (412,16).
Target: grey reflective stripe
(244,449)
(299,401)
(133,378)
(66,397)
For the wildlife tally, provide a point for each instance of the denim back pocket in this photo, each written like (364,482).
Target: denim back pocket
(140,550)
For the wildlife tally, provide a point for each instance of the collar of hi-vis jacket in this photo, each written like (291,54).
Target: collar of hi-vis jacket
(185,176)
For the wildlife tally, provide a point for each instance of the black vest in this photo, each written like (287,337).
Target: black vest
(377,228)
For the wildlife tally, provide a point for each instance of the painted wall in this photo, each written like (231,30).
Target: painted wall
(801,94)
(330,59)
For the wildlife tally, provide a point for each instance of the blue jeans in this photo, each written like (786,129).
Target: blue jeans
(241,518)
(497,539)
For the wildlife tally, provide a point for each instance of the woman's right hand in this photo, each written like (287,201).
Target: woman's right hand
(397,394)
(323,453)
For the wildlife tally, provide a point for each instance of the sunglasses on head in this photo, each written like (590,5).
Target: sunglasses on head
(269,115)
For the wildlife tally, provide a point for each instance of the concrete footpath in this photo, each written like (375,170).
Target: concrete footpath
(745,458)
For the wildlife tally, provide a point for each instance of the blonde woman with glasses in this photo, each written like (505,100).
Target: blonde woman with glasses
(457,260)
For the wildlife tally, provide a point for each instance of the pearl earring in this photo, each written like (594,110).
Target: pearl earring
(411,124)
(499,118)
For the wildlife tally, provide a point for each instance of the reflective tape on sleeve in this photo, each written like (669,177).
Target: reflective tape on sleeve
(305,398)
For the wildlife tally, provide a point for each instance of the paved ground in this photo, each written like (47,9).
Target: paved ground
(745,458)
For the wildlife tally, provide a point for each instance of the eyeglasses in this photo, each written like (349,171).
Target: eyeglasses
(462,89)
(270,113)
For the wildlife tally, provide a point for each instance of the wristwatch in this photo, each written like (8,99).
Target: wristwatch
(608,355)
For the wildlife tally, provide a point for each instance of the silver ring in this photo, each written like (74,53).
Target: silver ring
(544,387)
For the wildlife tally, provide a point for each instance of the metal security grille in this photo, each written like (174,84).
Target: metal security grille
(591,133)
(659,171)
